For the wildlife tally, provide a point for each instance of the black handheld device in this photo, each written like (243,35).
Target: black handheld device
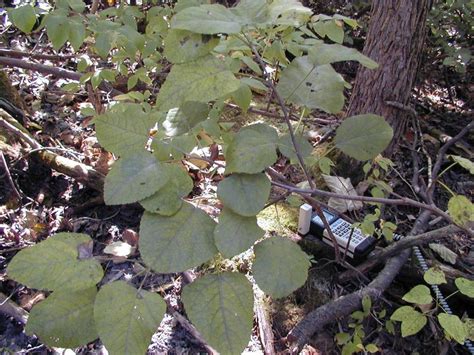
(358,245)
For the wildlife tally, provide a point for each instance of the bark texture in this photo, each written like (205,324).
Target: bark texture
(395,41)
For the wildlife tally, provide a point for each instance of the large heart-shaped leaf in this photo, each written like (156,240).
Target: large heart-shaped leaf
(221,308)
(235,233)
(58,263)
(203,80)
(363,137)
(179,242)
(207,19)
(65,319)
(244,194)
(134,177)
(280,266)
(167,200)
(315,86)
(252,150)
(184,46)
(127,318)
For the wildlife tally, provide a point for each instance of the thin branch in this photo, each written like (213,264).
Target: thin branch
(58,72)
(45,69)
(279,117)
(19,54)
(400,201)
(396,248)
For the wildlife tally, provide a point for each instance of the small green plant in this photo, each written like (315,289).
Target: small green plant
(353,342)
(413,318)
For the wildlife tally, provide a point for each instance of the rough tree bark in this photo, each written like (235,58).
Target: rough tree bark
(395,41)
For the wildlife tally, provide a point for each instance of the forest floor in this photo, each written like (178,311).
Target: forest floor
(51,202)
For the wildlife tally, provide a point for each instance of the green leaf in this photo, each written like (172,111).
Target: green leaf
(58,263)
(288,12)
(179,242)
(465,286)
(57,28)
(243,97)
(280,266)
(445,253)
(342,338)
(322,53)
(23,17)
(65,319)
(167,200)
(244,194)
(104,43)
(184,46)
(366,304)
(221,308)
(285,146)
(317,87)
(207,19)
(77,5)
(412,320)
(251,63)
(251,12)
(372,348)
(466,164)
(124,129)
(252,150)
(419,294)
(363,137)
(461,209)
(182,119)
(334,31)
(77,32)
(325,164)
(133,178)
(127,318)
(434,276)
(453,326)
(235,233)
(203,80)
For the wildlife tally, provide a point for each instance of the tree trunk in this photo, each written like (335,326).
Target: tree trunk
(395,41)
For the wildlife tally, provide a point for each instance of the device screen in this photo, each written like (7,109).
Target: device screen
(328,215)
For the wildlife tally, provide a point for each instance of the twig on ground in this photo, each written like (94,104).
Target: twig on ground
(19,54)
(79,171)
(8,177)
(264,322)
(396,248)
(58,72)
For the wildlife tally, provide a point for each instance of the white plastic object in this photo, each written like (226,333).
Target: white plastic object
(304,219)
